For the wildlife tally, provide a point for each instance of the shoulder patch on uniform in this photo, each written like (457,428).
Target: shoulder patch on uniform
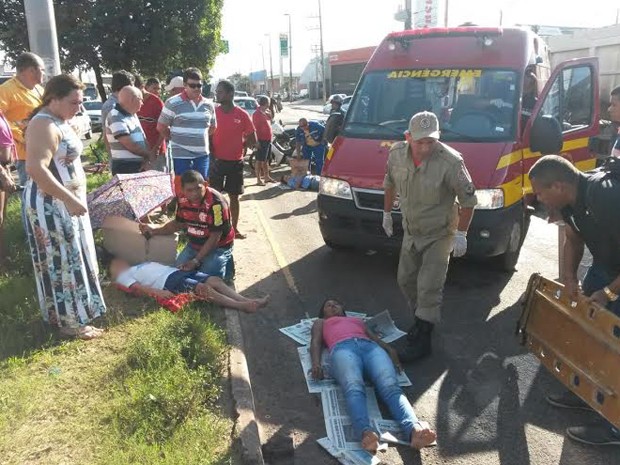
(398,145)
(450,154)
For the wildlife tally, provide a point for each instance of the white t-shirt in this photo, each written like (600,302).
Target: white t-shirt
(149,274)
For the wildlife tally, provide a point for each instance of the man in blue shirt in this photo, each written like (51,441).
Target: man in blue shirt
(309,142)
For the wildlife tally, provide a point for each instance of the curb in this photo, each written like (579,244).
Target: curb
(241,387)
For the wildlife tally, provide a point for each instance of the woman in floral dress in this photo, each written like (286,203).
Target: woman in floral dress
(56,217)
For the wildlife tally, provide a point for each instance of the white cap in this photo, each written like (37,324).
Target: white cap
(175,82)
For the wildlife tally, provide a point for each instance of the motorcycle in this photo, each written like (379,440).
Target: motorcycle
(282,145)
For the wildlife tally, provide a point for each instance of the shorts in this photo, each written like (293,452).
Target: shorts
(126,166)
(184,281)
(262,154)
(227,176)
(200,164)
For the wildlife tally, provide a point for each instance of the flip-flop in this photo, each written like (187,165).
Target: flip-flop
(239,235)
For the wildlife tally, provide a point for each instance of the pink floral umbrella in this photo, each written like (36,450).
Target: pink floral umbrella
(130,195)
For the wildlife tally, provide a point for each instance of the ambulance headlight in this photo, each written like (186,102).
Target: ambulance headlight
(335,188)
(490,199)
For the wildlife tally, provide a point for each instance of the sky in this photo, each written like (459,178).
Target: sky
(247,25)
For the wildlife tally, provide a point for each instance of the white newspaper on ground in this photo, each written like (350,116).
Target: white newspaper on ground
(334,404)
(302,331)
(317,386)
(383,326)
(337,422)
(391,432)
(348,457)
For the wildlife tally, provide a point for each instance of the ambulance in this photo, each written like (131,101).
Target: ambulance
(498,103)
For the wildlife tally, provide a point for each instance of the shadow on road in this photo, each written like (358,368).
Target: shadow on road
(487,388)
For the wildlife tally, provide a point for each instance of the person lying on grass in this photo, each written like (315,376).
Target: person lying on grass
(354,351)
(163,281)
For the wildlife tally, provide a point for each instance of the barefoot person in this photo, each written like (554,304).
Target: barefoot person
(355,350)
(165,281)
(57,225)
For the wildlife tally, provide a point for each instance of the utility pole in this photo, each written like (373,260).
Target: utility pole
(42,36)
(409,14)
(290,58)
(270,65)
(323,71)
(445,19)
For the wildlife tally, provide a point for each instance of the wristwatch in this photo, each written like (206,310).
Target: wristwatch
(611,296)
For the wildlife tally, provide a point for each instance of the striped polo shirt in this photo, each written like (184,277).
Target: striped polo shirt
(189,124)
(120,123)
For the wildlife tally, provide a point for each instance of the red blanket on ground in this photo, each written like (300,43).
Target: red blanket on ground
(173,304)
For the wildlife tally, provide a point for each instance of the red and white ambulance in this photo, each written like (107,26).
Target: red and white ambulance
(498,103)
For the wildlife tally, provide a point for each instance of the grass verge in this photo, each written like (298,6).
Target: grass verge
(148,392)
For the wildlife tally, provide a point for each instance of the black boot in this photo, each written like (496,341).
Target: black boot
(418,342)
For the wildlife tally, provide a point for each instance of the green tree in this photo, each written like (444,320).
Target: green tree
(241,82)
(151,37)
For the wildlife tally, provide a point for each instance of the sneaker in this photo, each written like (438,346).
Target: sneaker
(567,400)
(598,434)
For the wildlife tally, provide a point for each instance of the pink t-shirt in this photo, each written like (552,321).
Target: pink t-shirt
(6,137)
(340,328)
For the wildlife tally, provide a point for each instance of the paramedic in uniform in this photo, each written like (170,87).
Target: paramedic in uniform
(428,176)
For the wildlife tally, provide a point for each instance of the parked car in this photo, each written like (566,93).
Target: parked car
(328,106)
(93,110)
(303,93)
(92,93)
(81,123)
(249,104)
(241,93)
(4,78)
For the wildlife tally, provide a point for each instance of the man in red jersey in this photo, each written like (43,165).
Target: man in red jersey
(148,116)
(234,131)
(203,213)
(262,122)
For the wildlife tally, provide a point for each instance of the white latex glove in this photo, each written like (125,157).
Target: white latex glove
(388,225)
(498,102)
(459,246)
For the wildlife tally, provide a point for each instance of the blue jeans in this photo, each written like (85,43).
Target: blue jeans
(21,172)
(354,358)
(318,153)
(596,279)
(200,164)
(218,263)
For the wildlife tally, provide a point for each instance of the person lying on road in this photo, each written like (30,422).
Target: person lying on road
(306,182)
(163,281)
(355,350)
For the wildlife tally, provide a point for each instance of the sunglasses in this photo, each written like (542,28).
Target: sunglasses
(195,86)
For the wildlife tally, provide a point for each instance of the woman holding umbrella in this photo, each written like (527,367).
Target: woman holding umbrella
(56,218)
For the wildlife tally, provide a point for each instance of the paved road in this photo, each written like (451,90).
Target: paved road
(481,390)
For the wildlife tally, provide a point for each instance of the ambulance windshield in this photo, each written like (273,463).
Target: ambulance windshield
(472,105)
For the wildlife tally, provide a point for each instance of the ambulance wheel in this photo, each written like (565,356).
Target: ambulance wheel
(508,260)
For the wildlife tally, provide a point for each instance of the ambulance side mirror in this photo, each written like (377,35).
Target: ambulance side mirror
(546,135)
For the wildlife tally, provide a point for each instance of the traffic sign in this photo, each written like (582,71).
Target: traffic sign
(283,45)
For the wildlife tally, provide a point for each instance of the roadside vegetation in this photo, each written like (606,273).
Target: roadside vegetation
(149,392)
